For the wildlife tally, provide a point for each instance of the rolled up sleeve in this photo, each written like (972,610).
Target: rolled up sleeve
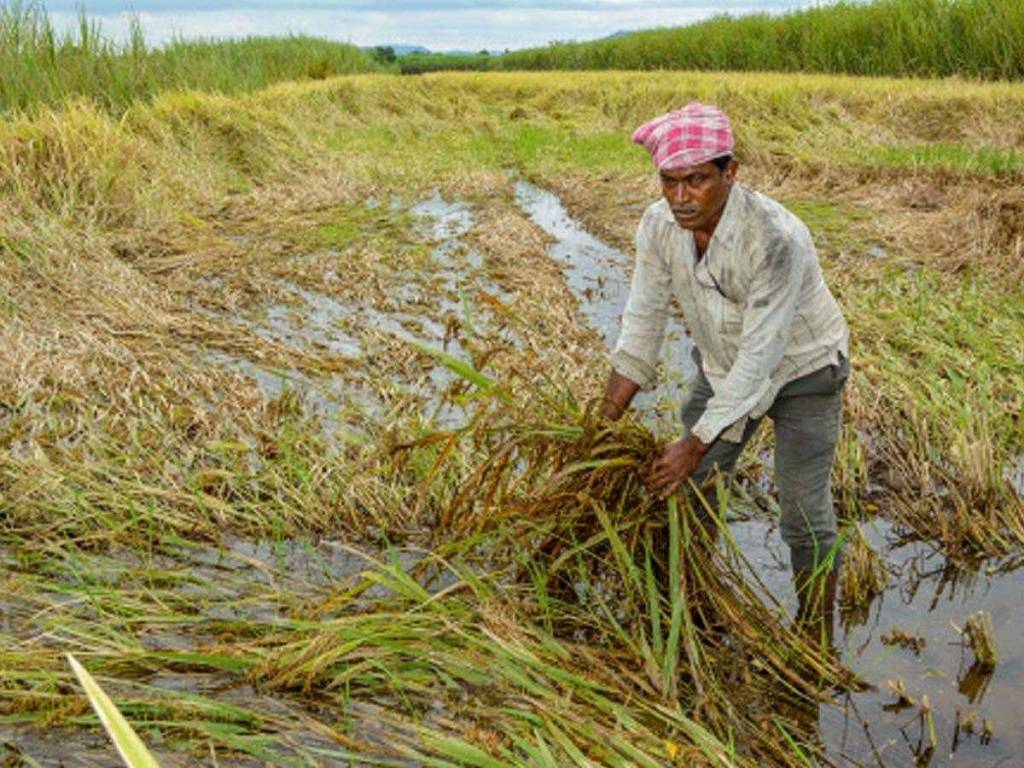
(767,325)
(638,348)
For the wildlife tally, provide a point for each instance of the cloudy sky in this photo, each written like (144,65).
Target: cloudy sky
(436,24)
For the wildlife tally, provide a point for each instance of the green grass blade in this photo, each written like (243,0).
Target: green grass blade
(671,663)
(464,370)
(129,746)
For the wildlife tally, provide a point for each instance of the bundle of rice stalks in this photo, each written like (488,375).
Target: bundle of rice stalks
(980,636)
(864,576)
(657,594)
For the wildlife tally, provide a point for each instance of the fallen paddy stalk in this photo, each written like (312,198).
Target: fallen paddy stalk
(129,746)
(121,437)
(476,673)
(981,638)
(864,575)
(663,591)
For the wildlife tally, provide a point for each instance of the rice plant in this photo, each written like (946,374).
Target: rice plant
(864,575)
(129,746)
(43,65)
(980,637)
(919,38)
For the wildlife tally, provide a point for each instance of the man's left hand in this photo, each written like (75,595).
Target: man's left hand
(676,464)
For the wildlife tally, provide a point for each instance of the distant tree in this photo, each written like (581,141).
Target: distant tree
(484,52)
(385,54)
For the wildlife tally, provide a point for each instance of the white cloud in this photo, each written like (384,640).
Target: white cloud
(439,26)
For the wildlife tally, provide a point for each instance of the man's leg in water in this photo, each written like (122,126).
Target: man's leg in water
(806,415)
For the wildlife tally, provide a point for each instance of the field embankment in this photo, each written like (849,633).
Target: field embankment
(42,65)
(918,38)
(212,387)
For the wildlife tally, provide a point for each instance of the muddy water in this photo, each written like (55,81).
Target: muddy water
(925,601)
(599,276)
(311,321)
(921,600)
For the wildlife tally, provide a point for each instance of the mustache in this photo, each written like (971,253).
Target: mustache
(686,211)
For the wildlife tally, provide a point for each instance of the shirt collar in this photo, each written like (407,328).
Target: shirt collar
(732,216)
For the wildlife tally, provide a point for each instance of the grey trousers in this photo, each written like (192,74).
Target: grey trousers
(806,416)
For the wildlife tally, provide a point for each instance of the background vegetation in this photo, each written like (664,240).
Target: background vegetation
(929,38)
(923,38)
(207,302)
(41,65)
(418,63)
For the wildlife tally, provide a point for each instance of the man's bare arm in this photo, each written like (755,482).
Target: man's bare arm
(618,394)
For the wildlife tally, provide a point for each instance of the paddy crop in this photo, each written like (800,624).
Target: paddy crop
(299,454)
(918,38)
(978,632)
(43,65)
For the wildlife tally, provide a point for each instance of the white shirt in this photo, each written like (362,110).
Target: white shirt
(777,320)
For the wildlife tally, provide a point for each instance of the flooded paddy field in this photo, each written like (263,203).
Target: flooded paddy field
(318,482)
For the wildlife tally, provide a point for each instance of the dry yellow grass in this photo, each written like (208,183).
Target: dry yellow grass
(158,270)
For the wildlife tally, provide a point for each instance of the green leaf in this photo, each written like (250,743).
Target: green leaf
(463,369)
(129,746)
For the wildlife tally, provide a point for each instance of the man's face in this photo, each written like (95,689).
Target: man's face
(697,193)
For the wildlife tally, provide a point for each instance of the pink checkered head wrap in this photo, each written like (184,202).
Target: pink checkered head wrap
(689,136)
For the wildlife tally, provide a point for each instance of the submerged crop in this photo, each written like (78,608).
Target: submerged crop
(299,462)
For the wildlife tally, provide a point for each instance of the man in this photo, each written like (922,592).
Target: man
(769,337)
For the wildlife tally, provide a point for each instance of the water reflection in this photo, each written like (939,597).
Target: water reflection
(974,682)
(943,687)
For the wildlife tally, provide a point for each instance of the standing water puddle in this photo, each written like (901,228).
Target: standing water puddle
(594,270)
(448,220)
(926,601)
(599,276)
(421,313)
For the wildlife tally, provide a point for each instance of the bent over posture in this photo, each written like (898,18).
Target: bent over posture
(769,337)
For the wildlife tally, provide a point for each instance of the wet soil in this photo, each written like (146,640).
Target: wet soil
(240,579)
